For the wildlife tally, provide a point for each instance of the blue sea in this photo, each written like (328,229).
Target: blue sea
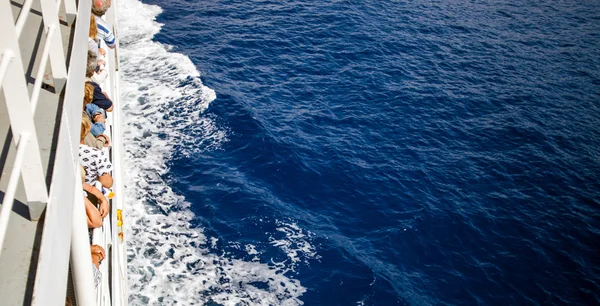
(362,152)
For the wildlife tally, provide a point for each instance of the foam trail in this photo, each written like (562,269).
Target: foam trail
(170,262)
(296,243)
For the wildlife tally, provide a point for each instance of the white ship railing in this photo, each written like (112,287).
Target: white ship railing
(119,247)
(65,228)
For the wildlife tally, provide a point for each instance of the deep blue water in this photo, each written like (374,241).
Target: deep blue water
(432,152)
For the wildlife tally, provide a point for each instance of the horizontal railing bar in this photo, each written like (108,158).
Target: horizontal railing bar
(6,58)
(23,17)
(37,86)
(9,196)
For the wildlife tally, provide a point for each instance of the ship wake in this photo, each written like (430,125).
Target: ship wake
(170,260)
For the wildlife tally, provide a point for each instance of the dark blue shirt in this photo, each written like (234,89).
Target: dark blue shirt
(99,98)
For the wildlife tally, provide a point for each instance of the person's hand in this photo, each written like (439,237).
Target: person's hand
(101,62)
(102,51)
(106,139)
(103,207)
(99,118)
(97,254)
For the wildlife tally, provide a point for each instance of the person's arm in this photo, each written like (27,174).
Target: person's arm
(109,37)
(104,139)
(94,219)
(111,104)
(104,169)
(102,201)
(98,254)
(98,128)
(100,76)
(95,142)
(110,40)
(106,95)
(99,118)
(101,99)
(106,180)
(93,46)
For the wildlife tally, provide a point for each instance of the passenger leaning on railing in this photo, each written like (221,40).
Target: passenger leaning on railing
(100,73)
(95,161)
(100,98)
(94,112)
(99,8)
(94,218)
(95,196)
(98,142)
(97,257)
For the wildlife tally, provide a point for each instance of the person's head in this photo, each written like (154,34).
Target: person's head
(93,27)
(92,63)
(88,94)
(99,7)
(86,126)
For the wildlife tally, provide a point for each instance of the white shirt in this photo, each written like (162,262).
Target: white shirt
(95,162)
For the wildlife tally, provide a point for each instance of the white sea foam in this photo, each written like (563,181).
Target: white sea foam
(296,243)
(170,261)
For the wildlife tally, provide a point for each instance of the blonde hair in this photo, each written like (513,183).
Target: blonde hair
(82,170)
(86,126)
(88,94)
(93,27)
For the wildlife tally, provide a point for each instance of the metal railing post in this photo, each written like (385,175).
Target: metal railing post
(56,52)
(23,17)
(7,57)
(21,118)
(39,77)
(81,258)
(9,196)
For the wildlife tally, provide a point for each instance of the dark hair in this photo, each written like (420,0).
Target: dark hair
(92,63)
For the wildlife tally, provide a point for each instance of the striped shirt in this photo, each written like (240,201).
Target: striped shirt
(97,276)
(104,33)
